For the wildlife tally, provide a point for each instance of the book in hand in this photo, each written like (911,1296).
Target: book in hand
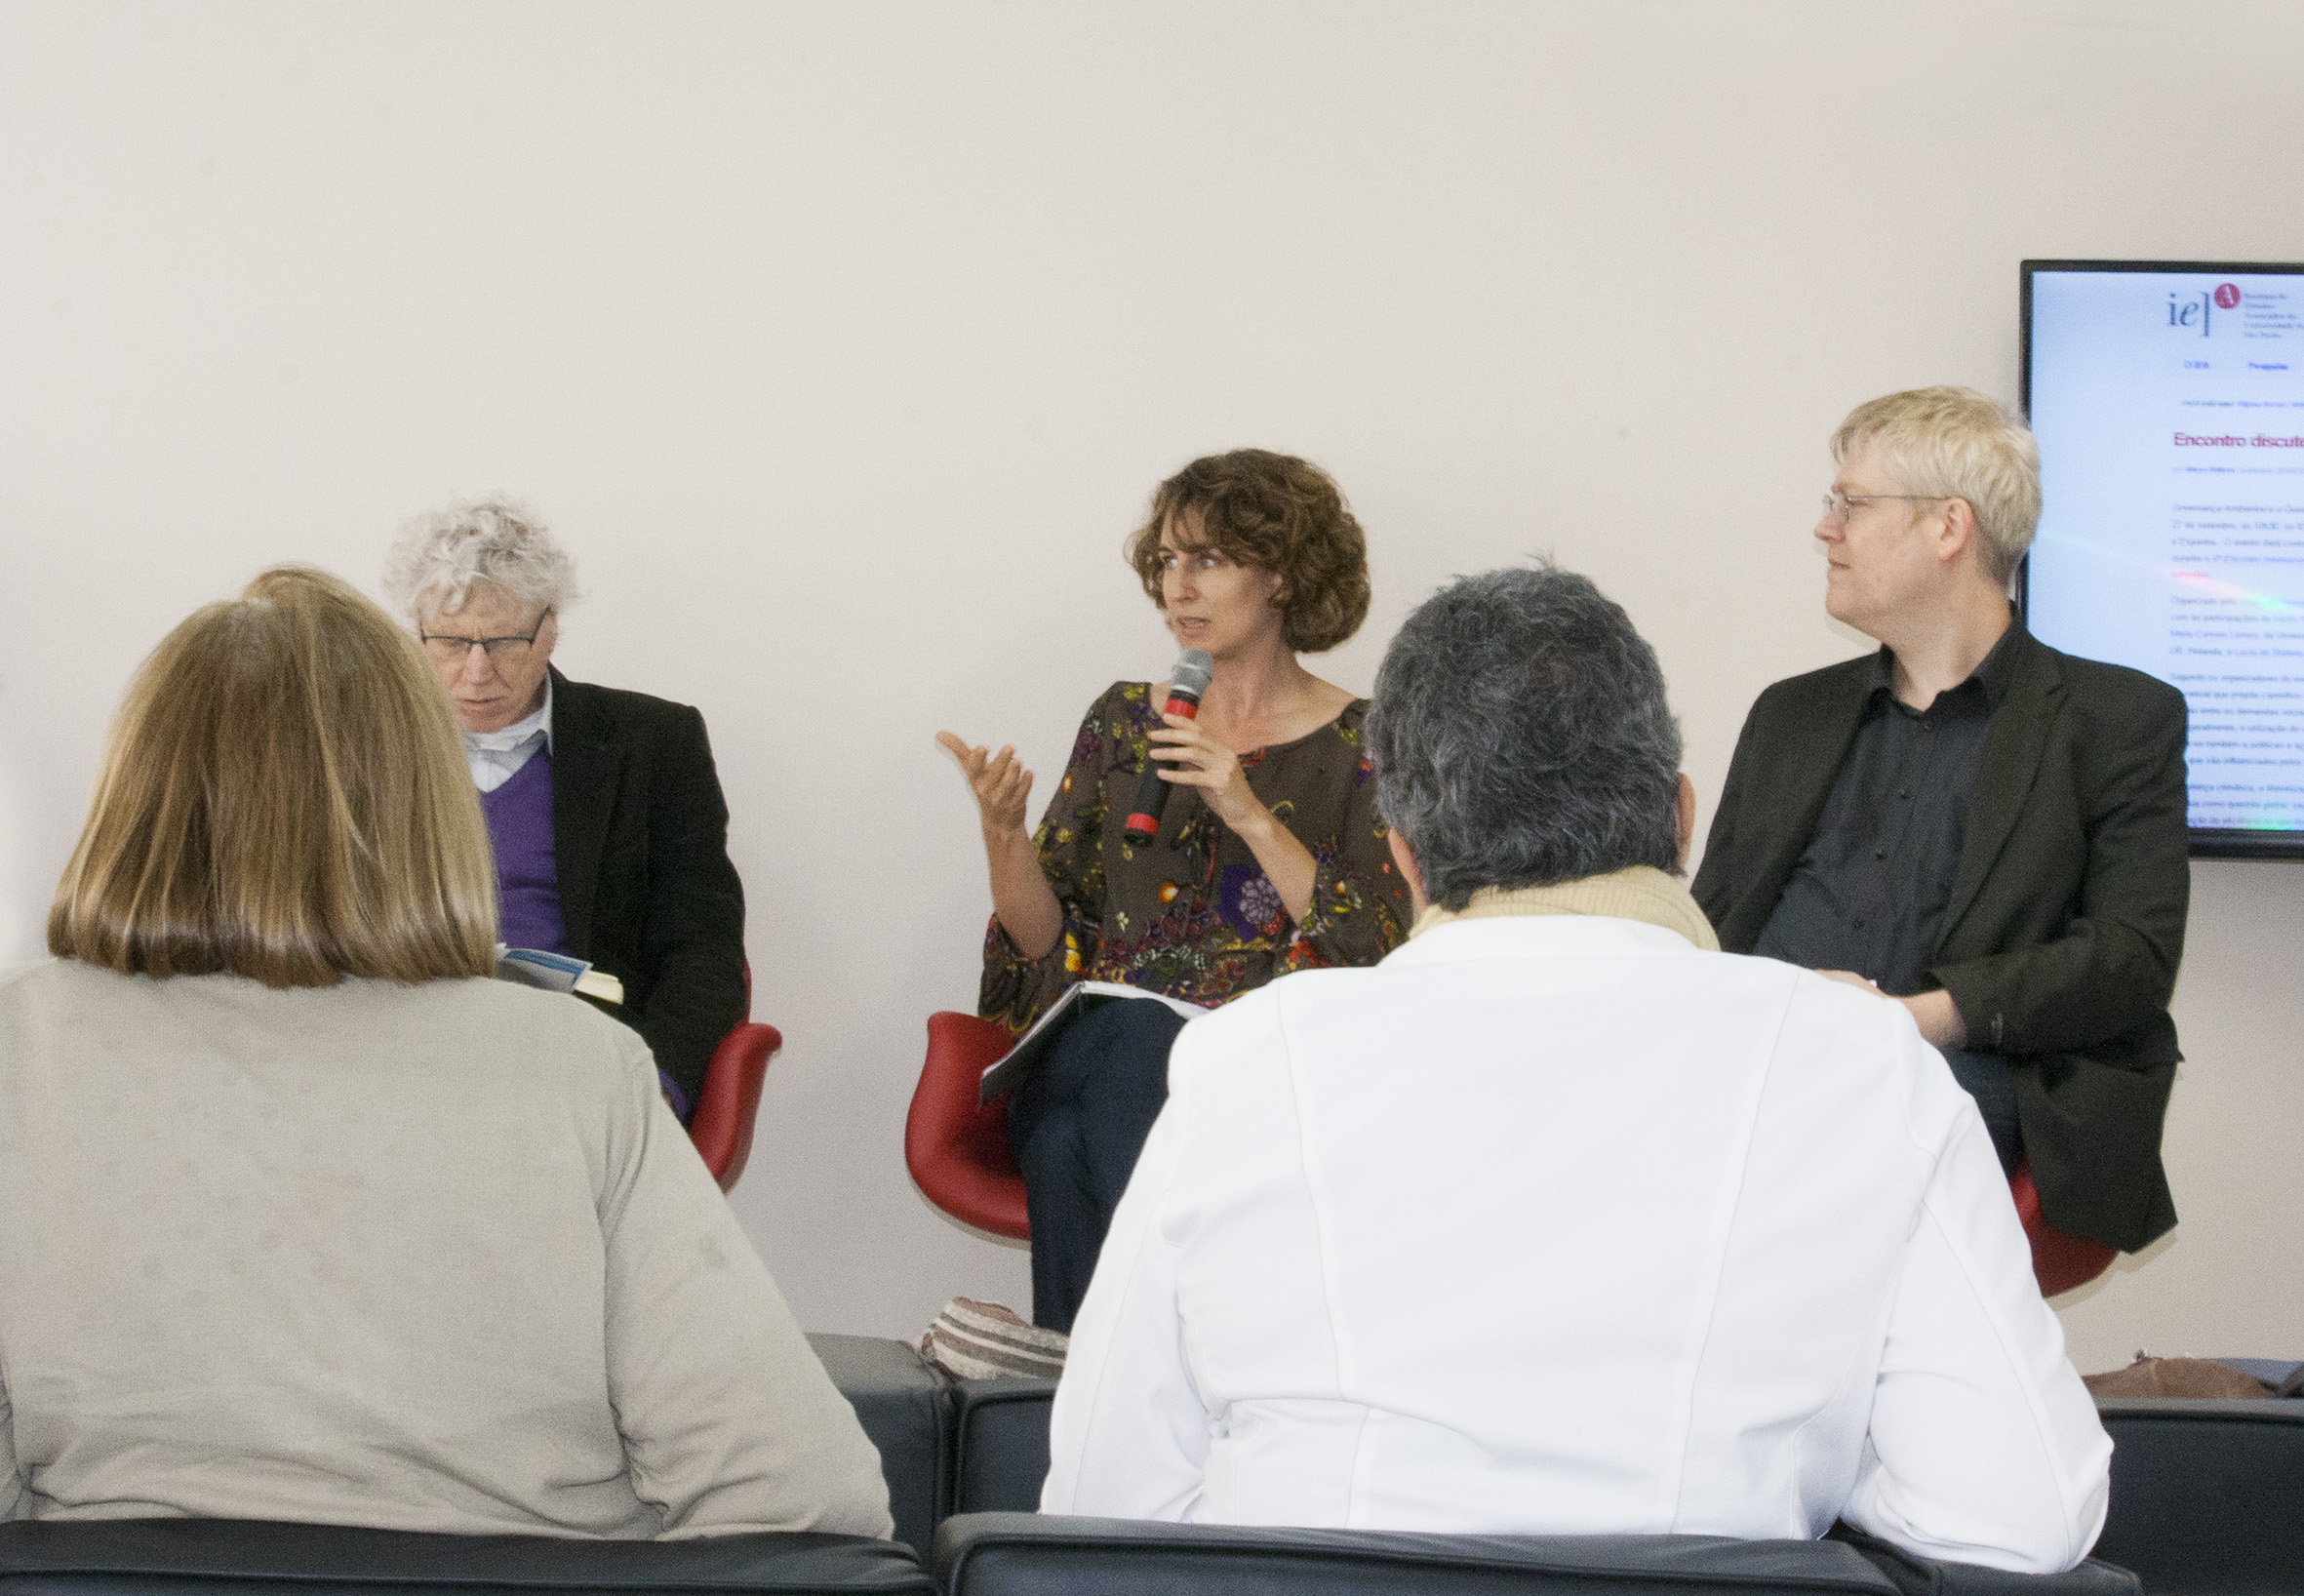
(556,973)
(1001,1076)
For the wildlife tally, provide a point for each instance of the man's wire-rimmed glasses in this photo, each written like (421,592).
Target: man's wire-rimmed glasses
(1839,507)
(1842,505)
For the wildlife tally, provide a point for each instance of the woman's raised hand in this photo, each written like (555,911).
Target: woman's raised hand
(1189,757)
(1021,896)
(1000,782)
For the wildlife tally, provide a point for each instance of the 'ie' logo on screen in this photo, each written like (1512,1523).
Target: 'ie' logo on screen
(2199,310)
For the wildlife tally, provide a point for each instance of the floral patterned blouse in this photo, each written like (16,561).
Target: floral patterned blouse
(1192,914)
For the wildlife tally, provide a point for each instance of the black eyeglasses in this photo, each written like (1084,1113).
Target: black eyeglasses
(449,651)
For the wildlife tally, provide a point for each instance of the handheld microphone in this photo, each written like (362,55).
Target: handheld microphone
(1186,683)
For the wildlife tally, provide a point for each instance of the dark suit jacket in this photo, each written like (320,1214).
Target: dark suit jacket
(2061,942)
(647,891)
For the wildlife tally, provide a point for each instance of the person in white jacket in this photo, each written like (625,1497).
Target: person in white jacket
(1559,1220)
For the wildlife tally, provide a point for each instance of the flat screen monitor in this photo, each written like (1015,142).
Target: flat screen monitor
(2169,400)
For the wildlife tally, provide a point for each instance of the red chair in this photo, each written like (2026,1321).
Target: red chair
(2061,1261)
(730,1099)
(957,1149)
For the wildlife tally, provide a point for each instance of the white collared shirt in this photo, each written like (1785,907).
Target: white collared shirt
(1556,1224)
(495,757)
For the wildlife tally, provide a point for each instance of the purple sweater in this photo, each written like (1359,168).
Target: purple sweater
(528,874)
(528,880)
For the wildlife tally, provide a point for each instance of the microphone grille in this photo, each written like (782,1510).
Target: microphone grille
(1194,671)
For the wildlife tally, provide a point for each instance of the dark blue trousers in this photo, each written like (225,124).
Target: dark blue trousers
(1985,1078)
(1076,1126)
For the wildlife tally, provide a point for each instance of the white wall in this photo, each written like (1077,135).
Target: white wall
(844,342)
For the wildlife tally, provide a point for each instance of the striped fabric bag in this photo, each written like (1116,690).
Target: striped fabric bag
(982,1341)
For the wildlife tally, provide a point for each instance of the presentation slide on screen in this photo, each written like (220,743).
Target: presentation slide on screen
(2169,409)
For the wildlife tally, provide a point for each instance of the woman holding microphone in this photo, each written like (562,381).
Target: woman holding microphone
(1269,855)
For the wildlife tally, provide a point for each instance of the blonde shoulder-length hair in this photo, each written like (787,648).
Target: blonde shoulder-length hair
(283,797)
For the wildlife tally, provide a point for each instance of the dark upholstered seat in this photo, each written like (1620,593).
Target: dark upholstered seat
(1000,1446)
(213,1557)
(2206,1496)
(905,1407)
(1017,1554)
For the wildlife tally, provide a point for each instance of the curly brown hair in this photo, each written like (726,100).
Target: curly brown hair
(1277,514)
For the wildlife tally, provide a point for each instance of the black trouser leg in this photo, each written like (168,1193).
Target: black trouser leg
(1076,1126)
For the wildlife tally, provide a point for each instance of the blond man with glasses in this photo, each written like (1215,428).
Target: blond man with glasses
(1988,831)
(602,806)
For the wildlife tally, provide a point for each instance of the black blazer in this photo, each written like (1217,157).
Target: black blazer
(647,891)
(2066,921)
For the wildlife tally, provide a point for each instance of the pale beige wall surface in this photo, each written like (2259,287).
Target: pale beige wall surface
(842,343)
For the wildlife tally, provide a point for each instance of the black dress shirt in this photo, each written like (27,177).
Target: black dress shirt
(1871,886)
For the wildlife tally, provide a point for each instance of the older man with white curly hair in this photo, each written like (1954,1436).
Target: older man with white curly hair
(605,809)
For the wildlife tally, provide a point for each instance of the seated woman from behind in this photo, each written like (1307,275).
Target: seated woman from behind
(301,1215)
(1559,1220)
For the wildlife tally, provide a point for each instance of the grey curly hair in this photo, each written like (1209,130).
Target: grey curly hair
(440,556)
(1520,737)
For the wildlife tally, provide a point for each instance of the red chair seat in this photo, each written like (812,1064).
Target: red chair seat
(2061,1261)
(957,1149)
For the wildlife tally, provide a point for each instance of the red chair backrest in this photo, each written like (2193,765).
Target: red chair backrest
(2061,1261)
(956,1147)
(728,1102)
